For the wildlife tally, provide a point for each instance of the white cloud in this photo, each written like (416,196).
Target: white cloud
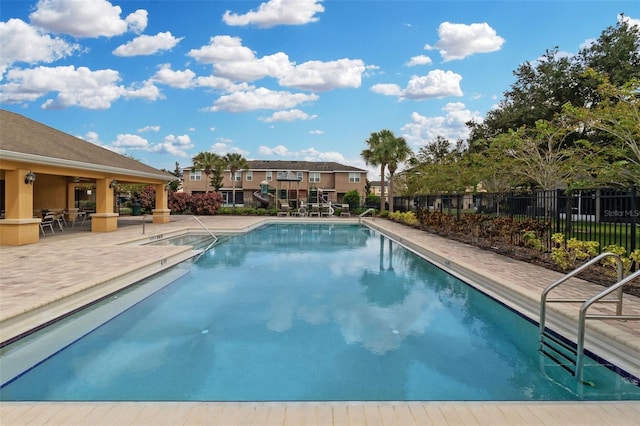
(147,45)
(149,129)
(124,141)
(288,115)
(173,145)
(307,154)
(279,150)
(277,12)
(457,41)
(180,79)
(322,76)
(316,132)
(137,21)
(260,98)
(387,89)
(419,60)
(80,87)
(85,18)
(630,21)
(436,84)
(423,129)
(75,87)
(148,91)
(232,60)
(16,34)
(92,137)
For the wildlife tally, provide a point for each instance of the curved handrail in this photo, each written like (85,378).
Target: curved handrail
(215,239)
(583,317)
(543,297)
(371,210)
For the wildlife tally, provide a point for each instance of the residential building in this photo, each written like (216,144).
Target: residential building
(294,181)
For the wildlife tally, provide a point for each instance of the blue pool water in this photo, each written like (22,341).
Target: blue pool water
(310,312)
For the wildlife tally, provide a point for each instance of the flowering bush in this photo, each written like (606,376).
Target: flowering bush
(179,202)
(205,204)
(147,198)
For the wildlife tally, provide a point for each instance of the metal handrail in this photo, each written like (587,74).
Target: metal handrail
(371,210)
(586,304)
(215,239)
(583,317)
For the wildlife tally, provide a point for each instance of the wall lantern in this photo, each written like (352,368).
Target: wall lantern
(29,178)
(113,184)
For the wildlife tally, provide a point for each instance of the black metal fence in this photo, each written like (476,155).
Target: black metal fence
(609,216)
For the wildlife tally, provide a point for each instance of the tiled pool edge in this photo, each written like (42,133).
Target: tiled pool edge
(36,317)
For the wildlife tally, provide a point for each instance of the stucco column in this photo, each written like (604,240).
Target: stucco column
(72,211)
(19,226)
(104,219)
(161,214)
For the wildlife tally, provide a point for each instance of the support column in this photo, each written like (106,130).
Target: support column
(104,219)
(161,214)
(19,226)
(72,210)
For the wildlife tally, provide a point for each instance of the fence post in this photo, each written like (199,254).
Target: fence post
(635,211)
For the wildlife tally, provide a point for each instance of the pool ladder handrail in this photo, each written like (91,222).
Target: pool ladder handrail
(367,211)
(215,239)
(583,316)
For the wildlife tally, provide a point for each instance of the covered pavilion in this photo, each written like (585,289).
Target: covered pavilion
(43,168)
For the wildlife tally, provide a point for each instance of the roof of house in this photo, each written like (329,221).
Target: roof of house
(27,140)
(309,166)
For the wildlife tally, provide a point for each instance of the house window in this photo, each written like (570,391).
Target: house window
(314,177)
(269,175)
(300,176)
(195,175)
(354,177)
(249,175)
(238,176)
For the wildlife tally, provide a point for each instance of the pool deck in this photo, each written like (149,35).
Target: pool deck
(41,281)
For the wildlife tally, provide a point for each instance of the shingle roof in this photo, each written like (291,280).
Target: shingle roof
(309,166)
(19,134)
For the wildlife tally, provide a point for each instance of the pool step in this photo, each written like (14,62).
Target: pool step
(559,350)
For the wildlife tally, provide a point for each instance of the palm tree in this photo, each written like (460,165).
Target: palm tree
(235,162)
(400,152)
(206,161)
(380,153)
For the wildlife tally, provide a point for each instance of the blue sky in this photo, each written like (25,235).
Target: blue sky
(276,79)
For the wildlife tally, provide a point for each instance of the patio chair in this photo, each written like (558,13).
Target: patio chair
(315,210)
(284,208)
(47,222)
(344,211)
(58,218)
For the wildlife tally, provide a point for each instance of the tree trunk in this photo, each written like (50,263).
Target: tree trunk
(382,167)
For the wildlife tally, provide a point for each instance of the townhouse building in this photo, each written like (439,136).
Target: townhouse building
(294,181)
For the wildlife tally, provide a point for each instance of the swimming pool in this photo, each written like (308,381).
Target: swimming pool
(304,312)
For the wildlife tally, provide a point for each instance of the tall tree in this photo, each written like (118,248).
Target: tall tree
(399,153)
(541,157)
(177,172)
(206,161)
(235,162)
(617,115)
(378,153)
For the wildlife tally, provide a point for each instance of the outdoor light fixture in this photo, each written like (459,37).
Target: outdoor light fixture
(113,184)
(30,178)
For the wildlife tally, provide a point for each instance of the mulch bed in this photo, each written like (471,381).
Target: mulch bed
(597,274)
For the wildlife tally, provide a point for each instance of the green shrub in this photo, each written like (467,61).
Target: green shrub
(568,254)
